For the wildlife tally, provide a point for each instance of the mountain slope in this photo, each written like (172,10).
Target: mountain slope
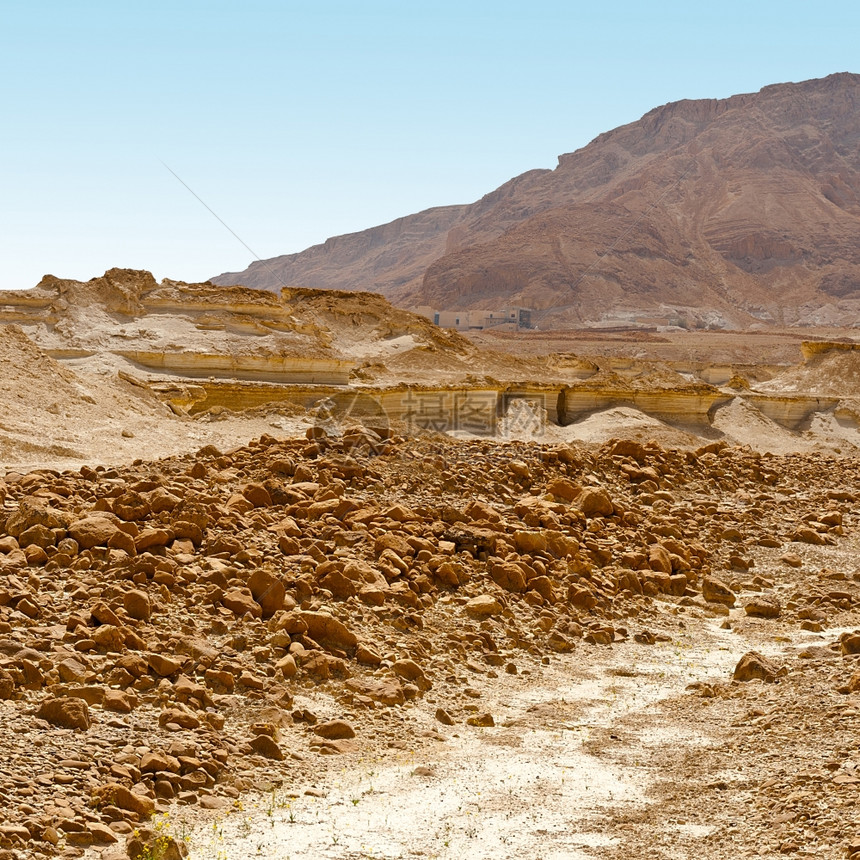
(710,211)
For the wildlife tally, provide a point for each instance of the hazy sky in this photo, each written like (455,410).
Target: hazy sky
(296,121)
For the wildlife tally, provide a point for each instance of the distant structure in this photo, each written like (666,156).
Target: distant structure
(477,320)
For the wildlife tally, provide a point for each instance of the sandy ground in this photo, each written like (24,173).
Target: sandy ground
(633,750)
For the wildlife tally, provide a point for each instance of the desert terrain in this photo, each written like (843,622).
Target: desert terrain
(303,575)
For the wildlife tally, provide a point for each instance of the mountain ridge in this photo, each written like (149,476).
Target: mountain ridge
(728,211)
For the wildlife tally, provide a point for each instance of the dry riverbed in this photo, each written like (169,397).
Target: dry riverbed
(576,766)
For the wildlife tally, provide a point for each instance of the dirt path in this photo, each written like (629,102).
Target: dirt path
(576,752)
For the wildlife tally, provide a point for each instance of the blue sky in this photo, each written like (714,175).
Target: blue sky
(296,121)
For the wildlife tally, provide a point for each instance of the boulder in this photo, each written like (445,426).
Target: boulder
(483,606)
(335,730)
(268,591)
(763,606)
(65,712)
(716,591)
(594,502)
(753,666)
(92,531)
(324,628)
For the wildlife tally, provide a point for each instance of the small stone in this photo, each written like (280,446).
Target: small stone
(444,717)
(482,721)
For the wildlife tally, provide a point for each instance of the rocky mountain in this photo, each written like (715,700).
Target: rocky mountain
(711,212)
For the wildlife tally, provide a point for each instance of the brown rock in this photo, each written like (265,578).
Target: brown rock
(150,538)
(137,605)
(108,637)
(131,507)
(659,559)
(366,654)
(481,720)
(268,591)
(595,503)
(509,576)
(7,685)
(105,615)
(153,762)
(386,692)
(124,541)
(287,666)
(716,591)
(66,712)
(410,671)
(340,585)
(240,601)
(328,631)
(530,542)
(753,666)
(179,716)
(155,846)
(850,643)
(92,531)
(101,834)
(72,670)
(267,747)
(163,665)
(37,535)
(563,489)
(118,702)
(444,717)
(118,795)
(257,495)
(763,606)
(804,534)
(483,606)
(335,730)
(220,679)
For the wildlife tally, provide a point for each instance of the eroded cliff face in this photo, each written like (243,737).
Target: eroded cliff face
(106,360)
(194,330)
(738,211)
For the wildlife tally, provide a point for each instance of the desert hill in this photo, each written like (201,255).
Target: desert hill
(709,212)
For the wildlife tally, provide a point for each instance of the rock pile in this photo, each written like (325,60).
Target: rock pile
(157,621)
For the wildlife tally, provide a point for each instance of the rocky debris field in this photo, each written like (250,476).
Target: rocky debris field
(166,627)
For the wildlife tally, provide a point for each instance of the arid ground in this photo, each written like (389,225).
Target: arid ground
(534,595)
